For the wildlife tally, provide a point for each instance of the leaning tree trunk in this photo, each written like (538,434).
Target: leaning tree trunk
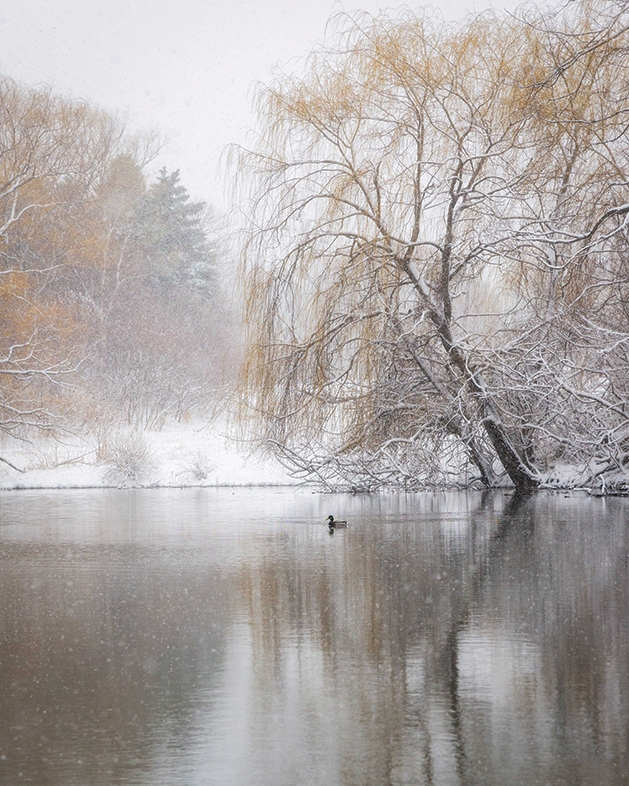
(523,478)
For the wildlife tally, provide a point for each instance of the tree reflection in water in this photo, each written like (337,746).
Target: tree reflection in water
(218,638)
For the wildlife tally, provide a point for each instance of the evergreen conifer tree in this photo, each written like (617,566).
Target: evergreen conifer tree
(169,236)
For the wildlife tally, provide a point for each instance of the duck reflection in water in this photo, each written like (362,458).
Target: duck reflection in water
(334,524)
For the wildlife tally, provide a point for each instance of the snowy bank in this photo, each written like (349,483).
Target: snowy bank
(177,455)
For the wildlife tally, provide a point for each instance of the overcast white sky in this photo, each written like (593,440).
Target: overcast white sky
(185,67)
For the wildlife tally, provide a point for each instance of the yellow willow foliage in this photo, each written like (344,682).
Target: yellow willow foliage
(357,157)
(407,160)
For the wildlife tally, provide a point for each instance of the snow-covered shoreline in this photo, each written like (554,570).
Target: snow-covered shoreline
(179,455)
(183,455)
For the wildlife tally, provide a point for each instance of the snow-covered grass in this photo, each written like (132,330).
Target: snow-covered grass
(191,454)
(180,454)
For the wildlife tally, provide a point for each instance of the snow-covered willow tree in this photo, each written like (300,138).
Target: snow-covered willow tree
(435,260)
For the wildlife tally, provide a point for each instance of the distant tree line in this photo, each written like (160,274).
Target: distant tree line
(107,282)
(436,259)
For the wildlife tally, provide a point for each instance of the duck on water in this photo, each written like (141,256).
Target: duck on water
(334,524)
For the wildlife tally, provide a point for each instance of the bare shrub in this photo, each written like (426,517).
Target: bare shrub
(130,459)
(197,467)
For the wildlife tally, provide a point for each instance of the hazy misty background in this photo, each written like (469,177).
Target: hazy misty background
(187,69)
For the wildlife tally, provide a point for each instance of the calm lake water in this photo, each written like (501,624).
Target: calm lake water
(221,636)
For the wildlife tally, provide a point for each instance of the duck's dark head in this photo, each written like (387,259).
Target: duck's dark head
(330,519)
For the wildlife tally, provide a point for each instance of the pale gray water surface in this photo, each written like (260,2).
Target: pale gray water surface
(222,636)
